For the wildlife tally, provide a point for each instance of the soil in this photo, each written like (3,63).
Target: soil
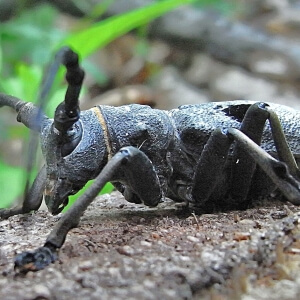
(127,251)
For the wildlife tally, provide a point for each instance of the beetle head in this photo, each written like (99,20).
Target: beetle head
(72,159)
(57,193)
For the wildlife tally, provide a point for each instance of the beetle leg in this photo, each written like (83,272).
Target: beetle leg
(247,154)
(209,170)
(284,152)
(32,200)
(276,170)
(243,165)
(138,168)
(141,181)
(127,193)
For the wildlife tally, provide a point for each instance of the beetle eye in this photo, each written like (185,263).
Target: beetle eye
(72,139)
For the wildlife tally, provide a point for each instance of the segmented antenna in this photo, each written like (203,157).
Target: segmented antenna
(67,113)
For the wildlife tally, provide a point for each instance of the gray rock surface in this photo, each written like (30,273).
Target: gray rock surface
(126,251)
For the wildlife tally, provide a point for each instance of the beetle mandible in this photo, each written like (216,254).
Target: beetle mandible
(217,155)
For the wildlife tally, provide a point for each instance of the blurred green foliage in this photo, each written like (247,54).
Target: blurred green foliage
(27,44)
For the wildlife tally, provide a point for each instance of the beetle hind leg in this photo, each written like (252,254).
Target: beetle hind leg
(283,171)
(247,155)
(277,170)
(214,159)
(243,165)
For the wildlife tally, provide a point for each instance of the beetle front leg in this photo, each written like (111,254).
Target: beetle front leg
(32,200)
(141,181)
(124,161)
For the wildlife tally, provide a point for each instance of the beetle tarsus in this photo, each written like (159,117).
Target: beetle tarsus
(35,260)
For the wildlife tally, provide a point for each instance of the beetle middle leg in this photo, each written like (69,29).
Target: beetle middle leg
(136,170)
(247,155)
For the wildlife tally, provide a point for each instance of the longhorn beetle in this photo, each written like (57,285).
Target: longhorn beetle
(212,156)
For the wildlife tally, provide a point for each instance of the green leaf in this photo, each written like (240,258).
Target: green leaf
(25,84)
(31,36)
(1,55)
(56,97)
(11,184)
(108,188)
(102,33)
(30,77)
(12,86)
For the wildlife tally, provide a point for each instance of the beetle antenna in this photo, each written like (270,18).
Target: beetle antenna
(27,112)
(67,112)
(33,139)
(11,101)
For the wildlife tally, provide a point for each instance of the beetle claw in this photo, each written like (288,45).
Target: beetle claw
(35,260)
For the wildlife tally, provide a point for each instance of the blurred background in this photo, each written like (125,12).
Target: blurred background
(207,50)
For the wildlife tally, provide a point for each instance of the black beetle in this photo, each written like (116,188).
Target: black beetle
(217,155)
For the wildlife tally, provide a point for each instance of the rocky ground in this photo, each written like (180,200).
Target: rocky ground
(126,251)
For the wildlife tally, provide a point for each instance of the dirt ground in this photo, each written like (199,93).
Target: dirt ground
(127,251)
